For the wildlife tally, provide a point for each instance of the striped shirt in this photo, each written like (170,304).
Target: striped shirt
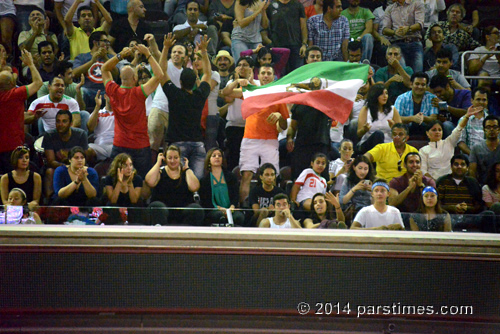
(451,193)
(328,39)
(473,132)
(49,119)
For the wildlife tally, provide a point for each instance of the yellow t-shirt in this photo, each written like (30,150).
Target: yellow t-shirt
(79,42)
(387,158)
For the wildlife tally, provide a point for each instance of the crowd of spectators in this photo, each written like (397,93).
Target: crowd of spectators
(138,104)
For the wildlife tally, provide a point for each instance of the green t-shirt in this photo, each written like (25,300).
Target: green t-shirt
(357,22)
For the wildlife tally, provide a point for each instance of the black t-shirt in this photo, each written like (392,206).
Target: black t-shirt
(185,109)
(285,23)
(264,198)
(313,126)
(52,141)
(123,33)
(172,193)
(124,198)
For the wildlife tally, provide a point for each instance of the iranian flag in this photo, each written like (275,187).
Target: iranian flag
(329,86)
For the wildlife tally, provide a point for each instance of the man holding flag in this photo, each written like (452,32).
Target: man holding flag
(260,140)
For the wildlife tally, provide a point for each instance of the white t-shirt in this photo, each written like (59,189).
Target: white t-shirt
(160,100)
(287,224)
(197,38)
(105,129)
(49,119)
(234,117)
(380,124)
(7,7)
(335,167)
(369,217)
(310,183)
(491,66)
(68,3)
(213,109)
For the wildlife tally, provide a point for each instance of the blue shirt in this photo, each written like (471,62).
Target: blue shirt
(404,104)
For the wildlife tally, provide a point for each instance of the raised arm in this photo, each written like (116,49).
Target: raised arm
(94,117)
(153,176)
(168,41)
(111,64)
(37,82)
(68,18)
(151,85)
(207,69)
(108,20)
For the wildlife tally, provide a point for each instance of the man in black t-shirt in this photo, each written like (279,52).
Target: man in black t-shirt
(312,128)
(185,107)
(132,26)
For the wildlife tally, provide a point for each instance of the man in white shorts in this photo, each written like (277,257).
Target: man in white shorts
(283,217)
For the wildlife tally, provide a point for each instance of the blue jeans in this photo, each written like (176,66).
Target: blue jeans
(414,55)
(238,46)
(141,158)
(195,152)
(367,45)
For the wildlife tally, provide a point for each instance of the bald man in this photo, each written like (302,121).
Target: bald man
(133,26)
(12,102)
(128,104)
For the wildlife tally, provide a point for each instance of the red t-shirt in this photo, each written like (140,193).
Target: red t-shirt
(12,118)
(131,123)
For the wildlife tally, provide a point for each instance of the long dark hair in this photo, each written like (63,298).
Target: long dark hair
(491,178)
(351,175)
(329,215)
(372,101)
(437,208)
(263,168)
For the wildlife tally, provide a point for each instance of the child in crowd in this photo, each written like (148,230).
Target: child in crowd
(323,216)
(261,196)
(17,197)
(310,182)
(379,215)
(339,168)
(283,217)
(430,216)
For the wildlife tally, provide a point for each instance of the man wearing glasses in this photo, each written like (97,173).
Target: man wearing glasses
(486,153)
(90,63)
(390,156)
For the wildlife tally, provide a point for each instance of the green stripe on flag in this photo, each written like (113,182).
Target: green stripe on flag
(331,70)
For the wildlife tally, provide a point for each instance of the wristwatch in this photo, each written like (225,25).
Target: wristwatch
(119,56)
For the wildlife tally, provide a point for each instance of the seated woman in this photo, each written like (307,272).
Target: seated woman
(437,155)
(17,197)
(491,190)
(22,177)
(76,184)
(376,119)
(339,168)
(323,212)
(356,190)
(173,186)
(219,189)
(261,196)
(310,182)
(122,188)
(430,216)
(276,56)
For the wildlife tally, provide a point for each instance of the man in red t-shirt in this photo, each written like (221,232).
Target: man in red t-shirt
(129,106)
(12,102)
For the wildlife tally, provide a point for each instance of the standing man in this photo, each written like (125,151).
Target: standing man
(132,26)
(12,100)
(360,26)
(403,23)
(90,63)
(330,31)
(308,133)
(79,37)
(158,117)
(486,153)
(289,29)
(129,107)
(185,107)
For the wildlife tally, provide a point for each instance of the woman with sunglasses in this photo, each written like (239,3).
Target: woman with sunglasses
(22,177)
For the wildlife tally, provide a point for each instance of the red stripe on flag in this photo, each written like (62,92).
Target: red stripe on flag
(333,105)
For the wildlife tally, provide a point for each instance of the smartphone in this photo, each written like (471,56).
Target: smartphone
(367,182)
